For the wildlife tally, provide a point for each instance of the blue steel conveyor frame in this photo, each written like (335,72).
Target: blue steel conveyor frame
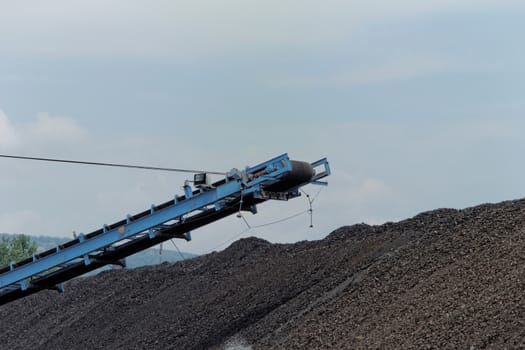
(279,178)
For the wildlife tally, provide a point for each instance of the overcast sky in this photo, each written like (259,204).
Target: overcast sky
(417,105)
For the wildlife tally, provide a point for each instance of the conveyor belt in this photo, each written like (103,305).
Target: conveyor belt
(276,178)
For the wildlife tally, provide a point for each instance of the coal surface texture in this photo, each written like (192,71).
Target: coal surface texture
(445,279)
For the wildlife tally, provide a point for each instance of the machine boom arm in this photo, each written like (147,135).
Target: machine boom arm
(239,190)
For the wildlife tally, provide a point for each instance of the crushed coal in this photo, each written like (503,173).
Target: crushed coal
(444,279)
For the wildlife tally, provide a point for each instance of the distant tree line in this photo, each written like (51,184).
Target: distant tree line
(15,248)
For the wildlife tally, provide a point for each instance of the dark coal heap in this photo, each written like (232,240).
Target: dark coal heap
(445,279)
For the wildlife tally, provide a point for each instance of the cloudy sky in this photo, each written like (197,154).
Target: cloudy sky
(417,105)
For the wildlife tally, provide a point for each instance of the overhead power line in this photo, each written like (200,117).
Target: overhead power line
(193,171)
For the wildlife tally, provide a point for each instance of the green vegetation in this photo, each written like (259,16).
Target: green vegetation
(15,248)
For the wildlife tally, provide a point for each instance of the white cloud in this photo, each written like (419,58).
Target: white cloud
(359,198)
(370,189)
(51,130)
(42,132)
(8,137)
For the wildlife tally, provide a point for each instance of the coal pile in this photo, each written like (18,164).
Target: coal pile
(445,279)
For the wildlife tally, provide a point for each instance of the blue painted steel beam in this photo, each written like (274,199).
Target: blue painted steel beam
(278,166)
(170,220)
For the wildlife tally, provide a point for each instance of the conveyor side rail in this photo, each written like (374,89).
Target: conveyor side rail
(239,190)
